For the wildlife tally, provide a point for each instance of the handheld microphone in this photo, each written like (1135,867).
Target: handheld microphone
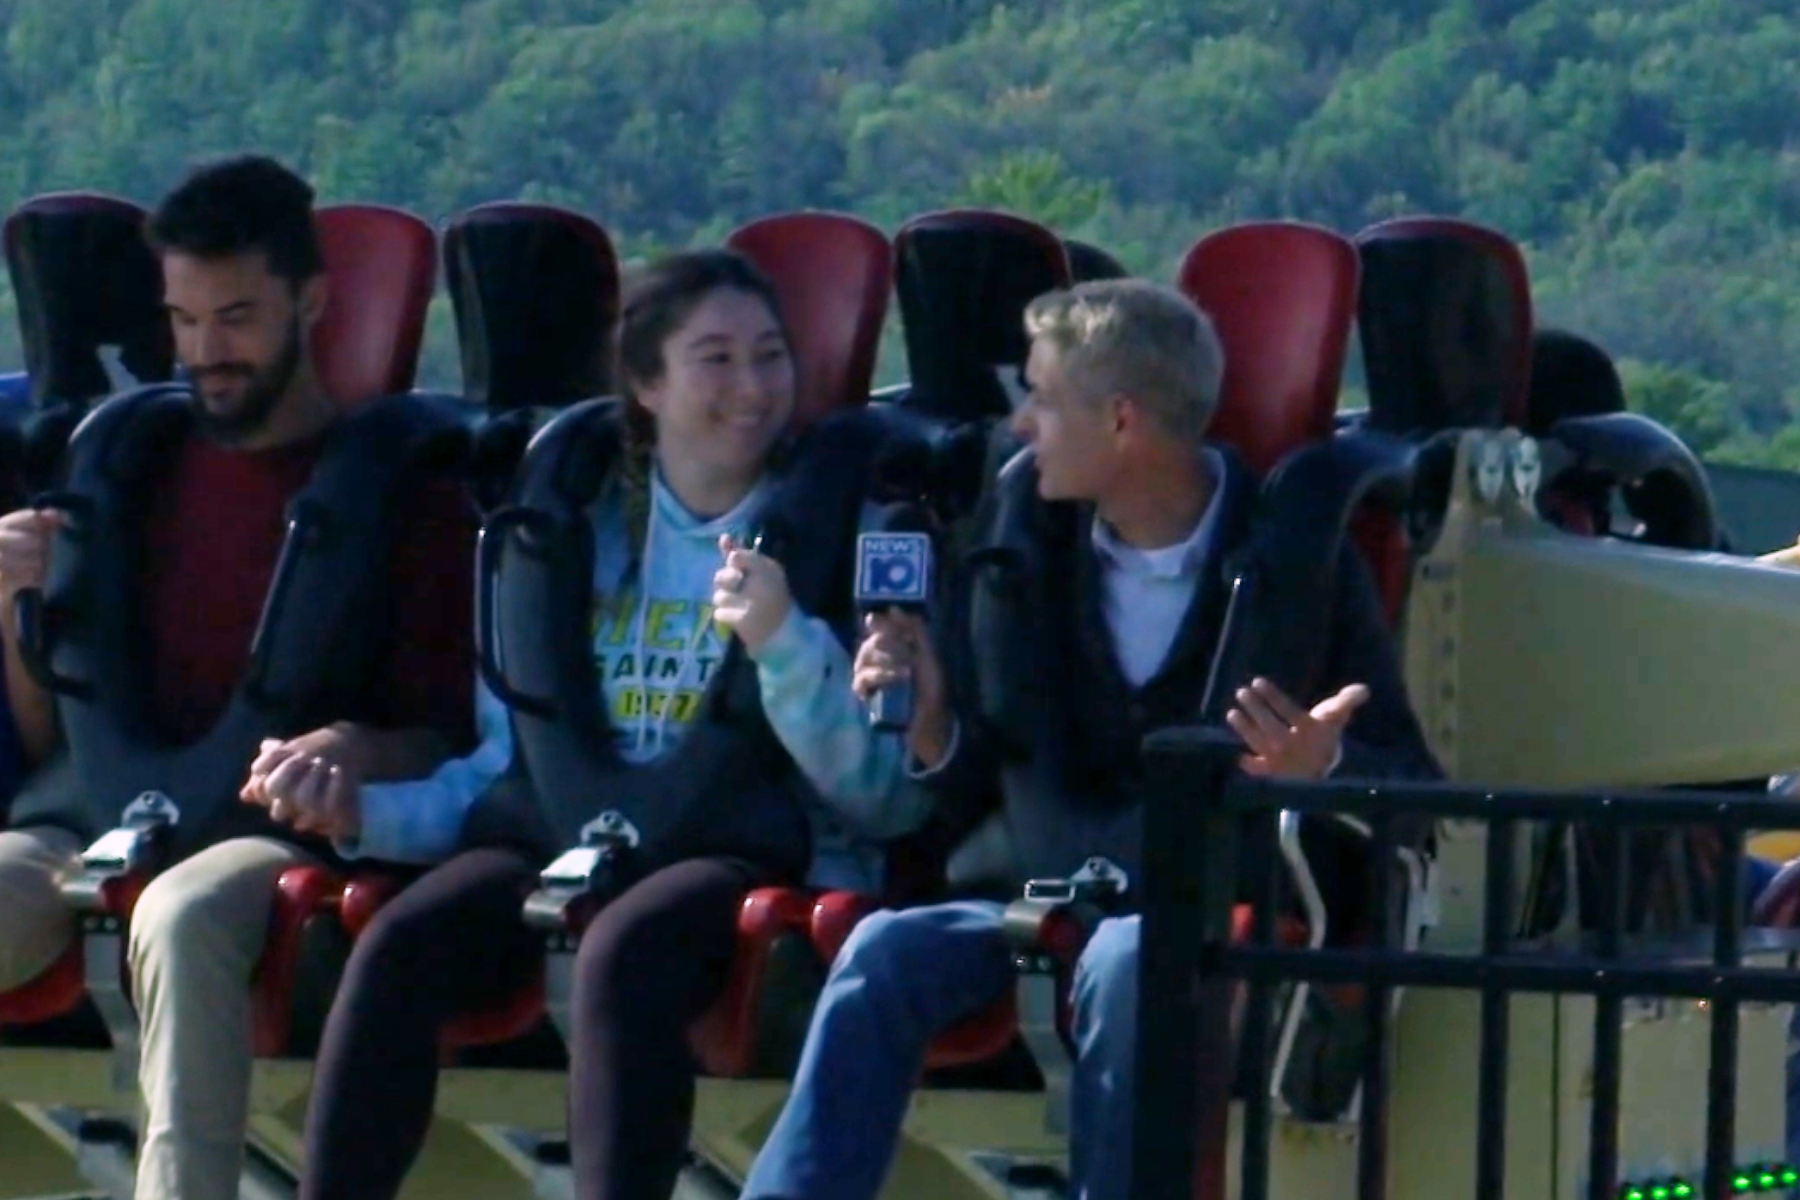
(893,570)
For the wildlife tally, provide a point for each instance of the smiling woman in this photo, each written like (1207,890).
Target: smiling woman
(718,745)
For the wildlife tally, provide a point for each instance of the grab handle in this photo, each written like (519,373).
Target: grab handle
(494,532)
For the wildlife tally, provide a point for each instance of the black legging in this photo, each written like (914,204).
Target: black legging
(649,965)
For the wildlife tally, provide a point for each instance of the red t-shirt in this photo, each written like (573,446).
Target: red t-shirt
(215,529)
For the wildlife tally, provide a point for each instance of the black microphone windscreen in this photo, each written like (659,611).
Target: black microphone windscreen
(902,469)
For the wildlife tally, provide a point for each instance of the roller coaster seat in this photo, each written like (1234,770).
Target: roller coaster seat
(1282,298)
(1444,312)
(535,291)
(1285,333)
(1088,262)
(750,1029)
(963,278)
(832,274)
(380,266)
(85,278)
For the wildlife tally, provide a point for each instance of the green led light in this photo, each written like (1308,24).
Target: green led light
(1750,1178)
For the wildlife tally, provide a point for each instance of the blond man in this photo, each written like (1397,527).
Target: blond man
(1124,379)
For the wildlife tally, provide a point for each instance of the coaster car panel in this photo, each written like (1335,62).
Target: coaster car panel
(1526,648)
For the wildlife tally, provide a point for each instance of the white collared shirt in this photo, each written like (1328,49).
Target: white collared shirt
(1144,594)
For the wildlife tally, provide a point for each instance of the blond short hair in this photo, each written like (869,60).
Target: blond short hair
(1140,339)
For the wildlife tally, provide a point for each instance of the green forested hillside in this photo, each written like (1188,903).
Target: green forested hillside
(1647,153)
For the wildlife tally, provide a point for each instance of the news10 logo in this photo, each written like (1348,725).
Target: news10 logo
(893,568)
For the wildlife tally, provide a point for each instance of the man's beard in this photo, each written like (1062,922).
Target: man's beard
(263,390)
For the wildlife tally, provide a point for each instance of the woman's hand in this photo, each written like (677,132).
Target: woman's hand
(750,594)
(313,782)
(899,648)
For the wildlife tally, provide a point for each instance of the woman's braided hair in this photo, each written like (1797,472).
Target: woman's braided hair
(658,301)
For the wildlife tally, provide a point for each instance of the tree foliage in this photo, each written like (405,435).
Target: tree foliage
(1643,153)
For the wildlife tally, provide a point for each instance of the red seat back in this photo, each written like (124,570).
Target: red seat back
(1445,319)
(832,274)
(1282,296)
(536,294)
(963,278)
(381,264)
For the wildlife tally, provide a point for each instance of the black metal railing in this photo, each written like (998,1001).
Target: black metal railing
(1208,839)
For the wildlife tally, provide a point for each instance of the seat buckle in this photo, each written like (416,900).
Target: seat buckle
(139,844)
(1100,881)
(579,874)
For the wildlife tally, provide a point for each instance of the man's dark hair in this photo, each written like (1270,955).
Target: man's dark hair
(238,206)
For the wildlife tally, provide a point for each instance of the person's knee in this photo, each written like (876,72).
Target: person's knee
(35,923)
(180,912)
(1105,986)
(401,941)
(884,946)
(619,951)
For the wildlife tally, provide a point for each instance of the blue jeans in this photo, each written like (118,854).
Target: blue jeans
(902,978)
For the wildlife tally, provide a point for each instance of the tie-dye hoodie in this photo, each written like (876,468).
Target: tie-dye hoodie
(656,647)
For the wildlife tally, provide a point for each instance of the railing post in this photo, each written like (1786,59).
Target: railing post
(1184,1052)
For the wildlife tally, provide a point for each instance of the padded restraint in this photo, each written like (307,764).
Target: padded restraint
(1010,586)
(85,278)
(535,289)
(964,277)
(322,631)
(1445,319)
(536,593)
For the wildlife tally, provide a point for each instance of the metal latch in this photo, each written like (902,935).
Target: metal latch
(1098,881)
(142,828)
(582,871)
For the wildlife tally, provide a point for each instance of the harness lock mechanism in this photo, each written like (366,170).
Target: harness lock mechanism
(569,891)
(140,843)
(1047,930)
(136,850)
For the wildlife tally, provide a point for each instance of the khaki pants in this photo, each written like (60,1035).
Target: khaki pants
(196,936)
(35,925)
